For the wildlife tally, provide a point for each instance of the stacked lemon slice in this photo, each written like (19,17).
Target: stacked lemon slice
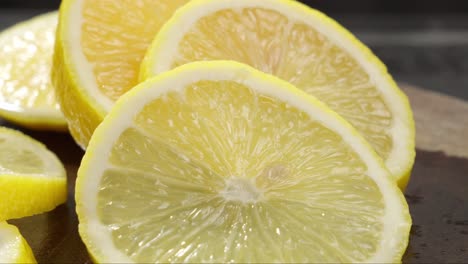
(217,131)
(32,179)
(280,37)
(98,51)
(218,161)
(304,47)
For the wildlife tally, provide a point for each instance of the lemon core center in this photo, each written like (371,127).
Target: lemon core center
(241,190)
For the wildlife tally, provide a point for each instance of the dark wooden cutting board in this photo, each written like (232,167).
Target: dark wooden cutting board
(437,193)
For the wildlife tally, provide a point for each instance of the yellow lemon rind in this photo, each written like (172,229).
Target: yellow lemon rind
(28,194)
(83,113)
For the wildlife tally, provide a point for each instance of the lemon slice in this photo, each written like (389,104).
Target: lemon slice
(218,162)
(27,96)
(13,247)
(99,47)
(32,179)
(304,47)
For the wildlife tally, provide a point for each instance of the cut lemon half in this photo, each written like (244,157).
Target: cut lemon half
(218,162)
(302,46)
(13,247)
(27,96)
(99,47)
(32,179)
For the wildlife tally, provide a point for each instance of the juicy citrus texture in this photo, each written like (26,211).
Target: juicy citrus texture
(115,36)
(13,247)
(27,96)
(32,179)
(218,162)
(99,49)
(304,47)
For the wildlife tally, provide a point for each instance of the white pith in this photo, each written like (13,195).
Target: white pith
(80,66)
(95,161)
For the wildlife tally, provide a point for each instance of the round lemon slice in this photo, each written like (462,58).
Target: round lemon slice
(32,179)
(302,46)
(27,96)
(218,162)
(13,247)
(99,47)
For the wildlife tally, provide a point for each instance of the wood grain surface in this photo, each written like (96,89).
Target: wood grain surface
(437,193)
(441,121)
